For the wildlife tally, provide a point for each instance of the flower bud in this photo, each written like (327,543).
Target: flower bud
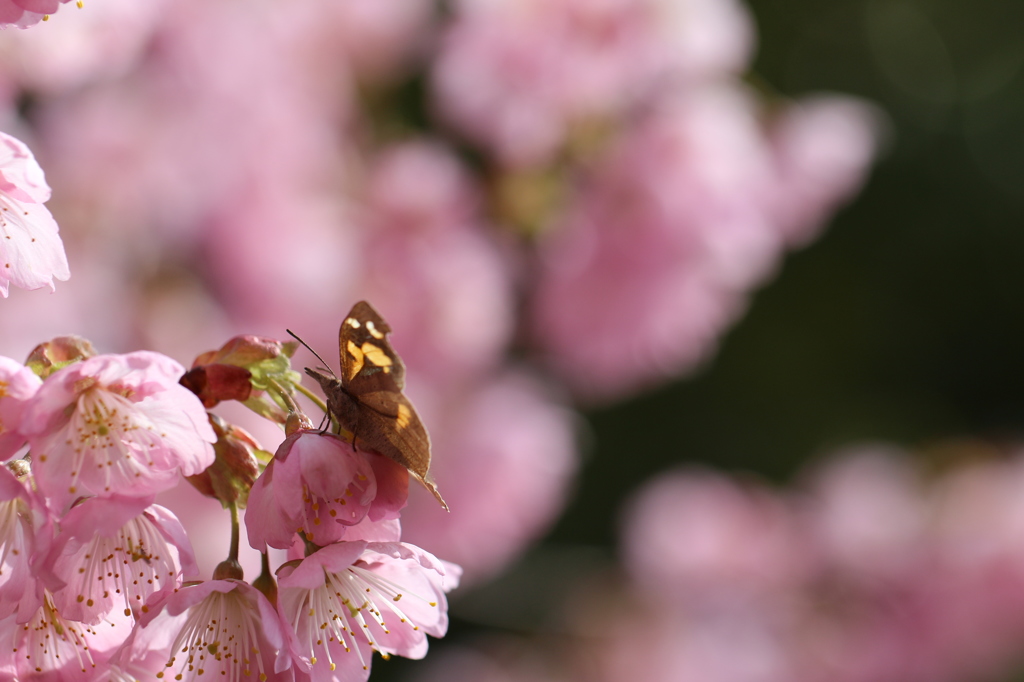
(58,352)
(242,369)
(235,465)
(214,383)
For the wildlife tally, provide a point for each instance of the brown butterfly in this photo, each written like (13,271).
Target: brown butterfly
(368,401)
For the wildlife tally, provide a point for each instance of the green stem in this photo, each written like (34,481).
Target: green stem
(285,396)
(235,531)
(312,396)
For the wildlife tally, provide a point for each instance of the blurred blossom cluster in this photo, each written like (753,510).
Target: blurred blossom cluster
(548,200)
(873,569)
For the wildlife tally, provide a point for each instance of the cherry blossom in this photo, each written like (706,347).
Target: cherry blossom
(519,76)
(51,648)
(116,550)
(230,631)
(31,251)
(17,384)
(677,219)
(319,484)
(24,531)
(116,424)
(349,599)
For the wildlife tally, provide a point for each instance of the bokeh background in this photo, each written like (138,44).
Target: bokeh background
(711,307)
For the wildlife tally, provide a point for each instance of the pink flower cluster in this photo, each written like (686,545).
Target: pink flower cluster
(92,571)
(870,571)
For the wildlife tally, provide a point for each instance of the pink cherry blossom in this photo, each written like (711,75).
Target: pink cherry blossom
(17,384)
(317,484)
(517,75)
(352,598)
(116,551)
(144,654)
(695,535)
(823,147)
(230,630)
(867,511)
(25,532)
(672,226)
(25,13)
(31,252)
(52,648)
(116,424)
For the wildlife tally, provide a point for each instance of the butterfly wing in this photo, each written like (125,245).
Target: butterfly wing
(389,425)
(368,362)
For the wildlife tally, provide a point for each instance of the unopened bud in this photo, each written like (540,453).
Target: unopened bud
(244,369)
(58,352)
(235,465)
(214,383)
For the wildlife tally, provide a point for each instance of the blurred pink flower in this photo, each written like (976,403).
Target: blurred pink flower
(655,254)
(312,271)
(823,147)
(696,535)
(867,513)
(226,80)
(656,251)
(516,75)
(25,13)
(31,250)
(116,424)
(699,647)
(507,445)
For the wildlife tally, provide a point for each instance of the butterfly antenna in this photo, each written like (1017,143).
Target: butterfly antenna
(296,337)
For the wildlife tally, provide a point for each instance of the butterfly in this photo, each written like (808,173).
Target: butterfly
(367,398)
